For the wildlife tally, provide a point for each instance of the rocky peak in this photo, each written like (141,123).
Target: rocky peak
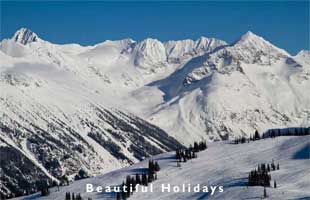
(25,36)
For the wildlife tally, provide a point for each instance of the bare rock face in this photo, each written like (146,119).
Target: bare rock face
(25,36)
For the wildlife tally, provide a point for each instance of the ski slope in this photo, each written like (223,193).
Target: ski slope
(222,164)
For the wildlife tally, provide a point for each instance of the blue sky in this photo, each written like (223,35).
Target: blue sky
(285,24)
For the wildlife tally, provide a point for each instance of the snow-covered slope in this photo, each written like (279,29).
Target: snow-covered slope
(222,164)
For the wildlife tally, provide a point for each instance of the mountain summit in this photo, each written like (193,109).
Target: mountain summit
(25,36)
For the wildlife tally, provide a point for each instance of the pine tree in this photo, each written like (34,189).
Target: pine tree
(138,179)
(128,186)
(123,192)
(274,184)
(156,167)
(118,196)
(144,179)
(265,193)
(256,135)
(196,147)
(151,165)
(78,197)
(73,196)
(133,182)
(68,196)
(273,165)
(150,177)
(44,189)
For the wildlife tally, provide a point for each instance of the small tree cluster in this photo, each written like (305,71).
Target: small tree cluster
(64,180)
(242,140)
(273,166)
(81,175)
(202,145)
(45,191)
(129,185)
(260,176)
(139,179)
(44,188)
(153,166)
(186,154)
(72,196)
(254,137)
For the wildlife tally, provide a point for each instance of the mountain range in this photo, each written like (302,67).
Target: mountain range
(98,108)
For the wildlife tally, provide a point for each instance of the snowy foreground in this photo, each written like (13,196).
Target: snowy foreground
(222,164)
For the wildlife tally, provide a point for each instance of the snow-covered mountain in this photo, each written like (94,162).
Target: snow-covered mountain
(101,107)
(248,85)
(222,164)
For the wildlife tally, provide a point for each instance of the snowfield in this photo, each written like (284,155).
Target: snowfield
(222,164)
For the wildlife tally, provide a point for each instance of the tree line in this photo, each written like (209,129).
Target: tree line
(294,131)
(272,133)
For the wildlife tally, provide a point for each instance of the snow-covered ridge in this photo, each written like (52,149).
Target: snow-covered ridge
(177,51)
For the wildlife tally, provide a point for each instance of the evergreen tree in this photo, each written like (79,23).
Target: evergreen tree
(82,174)
(156,167)
(196,149)
(151,165)
(73,196)
(44,188)
(256,135)
(68,196)
(274,184)
(133,183)
(128,185)
(118,196)
(273,166)
(123,192)
(78,197)
(150,177)
(138,179)
(144,179)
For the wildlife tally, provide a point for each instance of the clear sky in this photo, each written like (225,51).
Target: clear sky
(285,23)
